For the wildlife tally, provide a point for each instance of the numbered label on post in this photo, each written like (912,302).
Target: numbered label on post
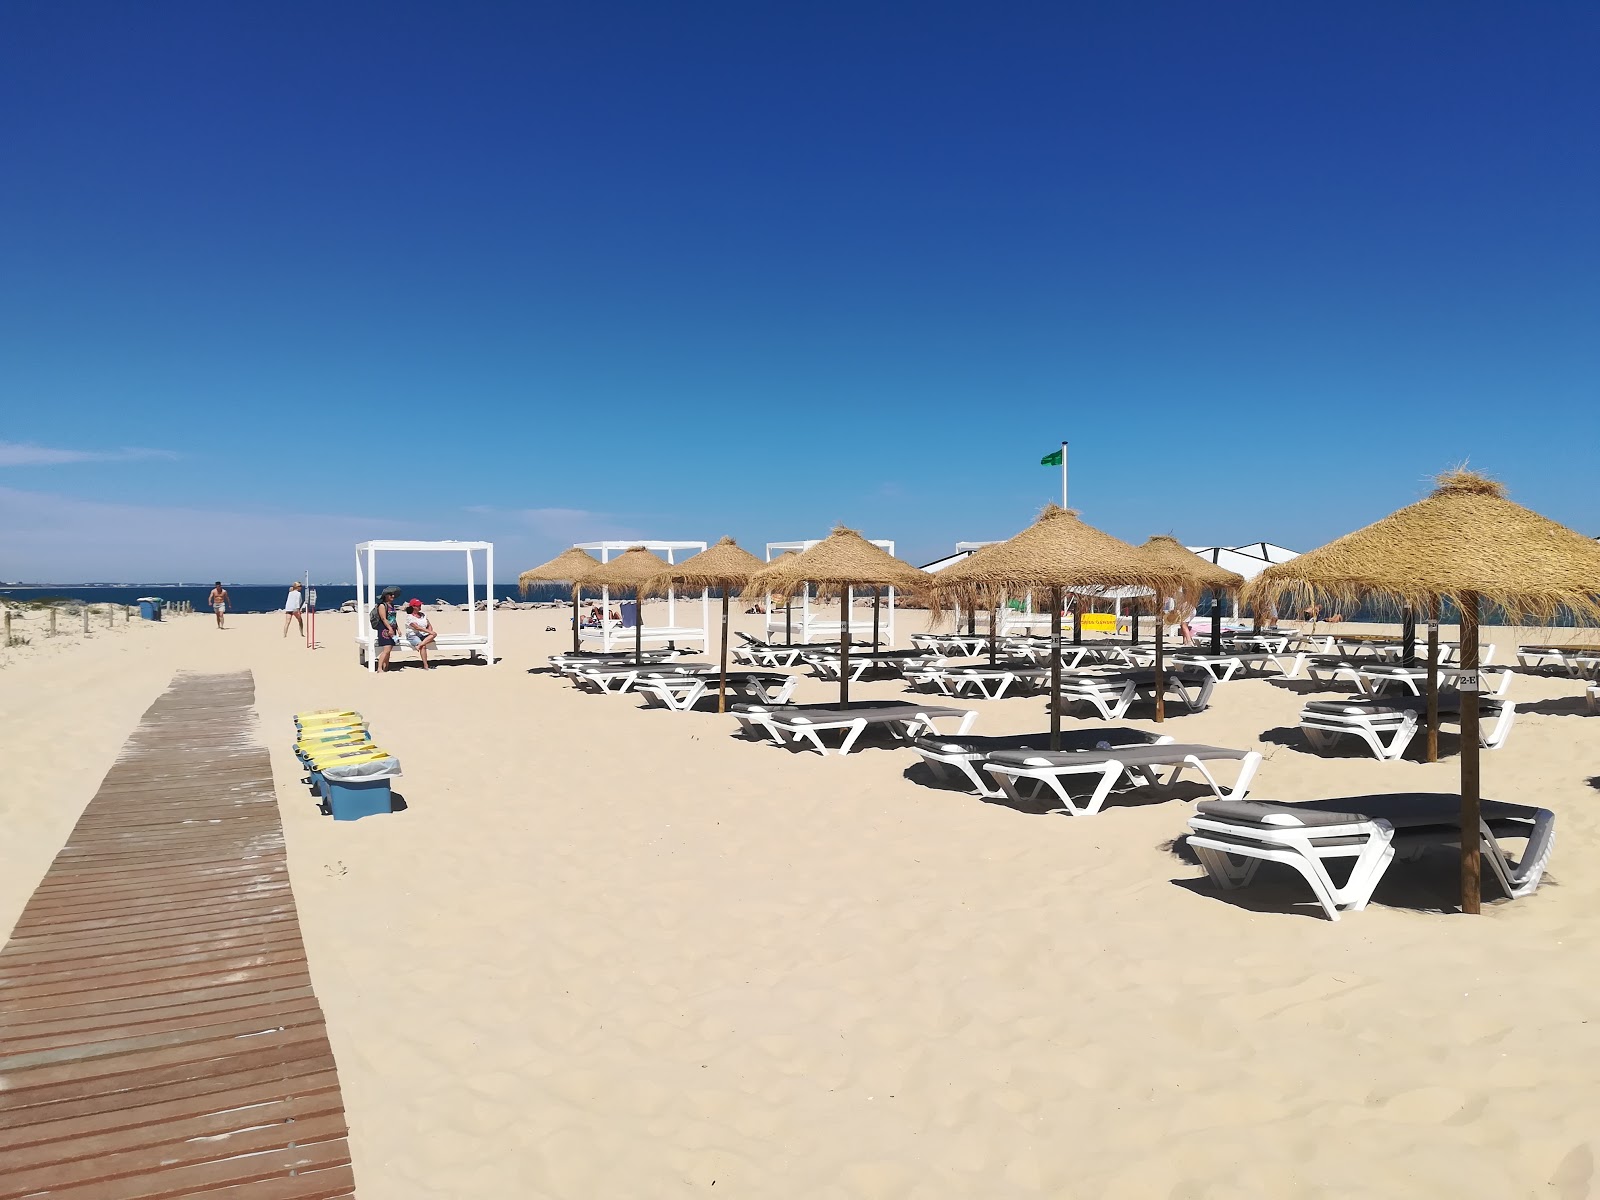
(1467,681)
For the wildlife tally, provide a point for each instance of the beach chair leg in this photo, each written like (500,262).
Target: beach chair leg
(854,731)
(1227,871)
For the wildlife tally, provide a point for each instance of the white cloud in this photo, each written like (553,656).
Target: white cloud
(26,454)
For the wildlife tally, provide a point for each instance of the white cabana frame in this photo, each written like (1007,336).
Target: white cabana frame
(473,643)
(612,634)
(810,626)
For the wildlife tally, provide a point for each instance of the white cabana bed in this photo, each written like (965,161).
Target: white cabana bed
(611,633)
(474,643)
(812,627)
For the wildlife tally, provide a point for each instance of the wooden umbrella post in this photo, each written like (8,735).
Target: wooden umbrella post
(844,650)
(1433,682)
(788,622)
(1077,622)
(877,597)
(1133,624)
(1471,852)
(722,690)
(1216,621)
(1161,662)
(1055,670)
(994,633)
(972,621)
(638,626)
(1408,637)
(576,605)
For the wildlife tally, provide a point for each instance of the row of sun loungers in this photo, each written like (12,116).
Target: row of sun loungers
(1321,841)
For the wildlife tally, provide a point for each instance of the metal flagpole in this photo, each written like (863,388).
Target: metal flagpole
(1063,474)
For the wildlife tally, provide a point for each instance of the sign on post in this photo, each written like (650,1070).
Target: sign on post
(1467,681)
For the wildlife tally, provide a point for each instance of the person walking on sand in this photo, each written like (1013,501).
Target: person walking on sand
(420,633)
(292,604)
(219,602)
(384,622)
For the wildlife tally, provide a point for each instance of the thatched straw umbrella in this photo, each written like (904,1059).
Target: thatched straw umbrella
(1465,544)
(1055,553)
(628,572)
(1198,574)
(565,567)
(840,561)
(724,566)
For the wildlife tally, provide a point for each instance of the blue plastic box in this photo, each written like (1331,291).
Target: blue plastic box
(353,799)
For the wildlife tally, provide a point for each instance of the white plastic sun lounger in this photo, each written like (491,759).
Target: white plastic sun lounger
(1574,660)
(1113,694)
(955,645)
(805,723)
(1131,766)
(1387,727)
(620,677)
(991,683)
(1224,667)
(1592,694)
(1376,680)
(1233,838)
(964,756)
(830,666)
(680,693)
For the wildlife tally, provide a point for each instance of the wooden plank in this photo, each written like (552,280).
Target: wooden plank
(159,1035)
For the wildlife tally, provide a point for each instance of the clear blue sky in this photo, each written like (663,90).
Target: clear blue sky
(276,277)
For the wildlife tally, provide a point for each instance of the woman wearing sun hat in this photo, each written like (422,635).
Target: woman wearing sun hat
(383,620)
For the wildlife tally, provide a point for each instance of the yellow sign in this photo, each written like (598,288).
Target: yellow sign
(1100,622)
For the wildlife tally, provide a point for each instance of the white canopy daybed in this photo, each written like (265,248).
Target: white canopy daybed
(810,627)
(474,643)
(611,633)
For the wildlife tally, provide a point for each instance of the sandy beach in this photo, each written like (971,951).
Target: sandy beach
(610,951)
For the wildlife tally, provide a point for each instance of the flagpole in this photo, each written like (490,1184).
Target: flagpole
(1063,474)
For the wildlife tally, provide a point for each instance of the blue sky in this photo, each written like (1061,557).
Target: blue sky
(274,278)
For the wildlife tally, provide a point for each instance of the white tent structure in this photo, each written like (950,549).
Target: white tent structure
(811,627)
(612,634)
(474,643)
(1247,560)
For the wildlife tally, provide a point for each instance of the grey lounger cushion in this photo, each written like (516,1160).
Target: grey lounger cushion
(1133,756)
(1280,816)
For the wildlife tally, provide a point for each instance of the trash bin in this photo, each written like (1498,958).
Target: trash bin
(150,607)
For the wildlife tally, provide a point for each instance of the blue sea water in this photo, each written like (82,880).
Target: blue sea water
(246,598)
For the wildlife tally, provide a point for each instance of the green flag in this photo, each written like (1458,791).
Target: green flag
(1051,460)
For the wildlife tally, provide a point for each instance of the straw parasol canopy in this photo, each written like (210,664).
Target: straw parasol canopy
(570,564)
(1465,543)
(724,566)
(842,560)
(1199,575)
(1056,552)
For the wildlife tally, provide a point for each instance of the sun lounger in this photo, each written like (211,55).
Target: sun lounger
(1574,660)
(954,645)
(1387,726)
(620,677)
(830,665)
(680,693)
(1375,680)
(1137,765)
(1113,693)
(964,756)
(989,682)
(1233,838)
(805,723)
(1223,667)
(1592,694)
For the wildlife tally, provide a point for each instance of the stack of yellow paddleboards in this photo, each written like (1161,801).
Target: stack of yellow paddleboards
(350,772)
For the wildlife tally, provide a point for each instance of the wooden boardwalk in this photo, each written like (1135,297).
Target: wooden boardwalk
(158,1032)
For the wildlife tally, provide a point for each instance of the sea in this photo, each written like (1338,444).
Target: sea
(249,598)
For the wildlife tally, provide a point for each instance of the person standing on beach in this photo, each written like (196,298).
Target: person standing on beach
(219,602)
(291,609)
(383,620)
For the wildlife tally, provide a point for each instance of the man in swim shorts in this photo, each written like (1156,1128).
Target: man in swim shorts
(219,602)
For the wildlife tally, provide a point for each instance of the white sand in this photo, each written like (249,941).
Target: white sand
(615,952)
